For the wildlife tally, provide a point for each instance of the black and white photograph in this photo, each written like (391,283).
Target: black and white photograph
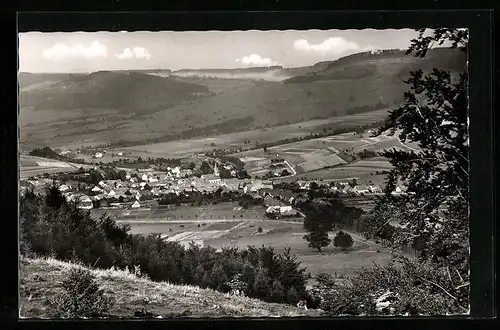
(245,173)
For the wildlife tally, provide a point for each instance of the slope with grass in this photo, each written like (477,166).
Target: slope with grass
(41,279)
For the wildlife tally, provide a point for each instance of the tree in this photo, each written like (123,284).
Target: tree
(261,284)
(292,296)
(318,222)
(95,176)
(265,149)
(318,239)
(343,240)
(122,175)
(224,173)
(434,117)
(205,168)
(218,278)
(276,293)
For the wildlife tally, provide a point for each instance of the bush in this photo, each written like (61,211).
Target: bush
(259,230)
(81,297)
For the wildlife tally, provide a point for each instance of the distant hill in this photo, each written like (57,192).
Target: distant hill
(388,63)
(272,73)
(41,279)
(26,79)
(85,107)
(123,91)
(47,152)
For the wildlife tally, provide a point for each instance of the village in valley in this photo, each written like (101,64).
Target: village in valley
(142,184)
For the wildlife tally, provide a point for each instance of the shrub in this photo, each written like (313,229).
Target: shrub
(81,297)
(259,230)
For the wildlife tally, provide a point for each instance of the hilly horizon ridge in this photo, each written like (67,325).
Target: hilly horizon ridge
(120,104)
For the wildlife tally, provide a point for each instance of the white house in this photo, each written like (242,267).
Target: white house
(112,193)
(267,184)
(285,209)
(120,154)
(98,155)
(96,189)
(85,203)
(136,205)
(397,191)
(176,171)
(144,177)
(304,185)
(361,189)
(212,179)
(102,184)
(151,180)
(272,209)
(63,188)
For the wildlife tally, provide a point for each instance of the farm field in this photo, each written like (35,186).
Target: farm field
(236,140)
(363,171)
(280,234)
(222,230)
(315,154)
(32,166)
(219,212)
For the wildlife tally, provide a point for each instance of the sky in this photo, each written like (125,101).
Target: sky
(94,51)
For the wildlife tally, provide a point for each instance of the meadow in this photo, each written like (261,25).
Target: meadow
(33,166)
(185,224)
(310,157)
(279,234)
(261,136)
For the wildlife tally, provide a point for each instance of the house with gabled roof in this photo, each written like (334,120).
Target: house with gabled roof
(63,188)
(361,189)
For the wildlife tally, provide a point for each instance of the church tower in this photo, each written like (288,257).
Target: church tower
(216,169)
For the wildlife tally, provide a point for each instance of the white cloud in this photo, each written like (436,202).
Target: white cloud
(62,51)
(135,52)
(256,60)
(333,45)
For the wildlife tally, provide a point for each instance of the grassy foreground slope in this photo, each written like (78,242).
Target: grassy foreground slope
(41,279)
